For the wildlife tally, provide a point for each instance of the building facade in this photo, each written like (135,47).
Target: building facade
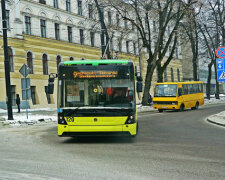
(43,33)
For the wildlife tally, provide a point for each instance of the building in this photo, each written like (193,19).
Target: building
(43,33)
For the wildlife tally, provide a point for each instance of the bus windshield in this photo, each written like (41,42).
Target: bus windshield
(166,90)
(96,93)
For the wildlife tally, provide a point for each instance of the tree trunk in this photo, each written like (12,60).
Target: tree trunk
(148,82)
(159,74)
(208,85)
(217,95)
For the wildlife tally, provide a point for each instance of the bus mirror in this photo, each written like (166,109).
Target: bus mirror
(139,86)
(179,91)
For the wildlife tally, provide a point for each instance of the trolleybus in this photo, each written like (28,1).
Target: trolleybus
(96,97)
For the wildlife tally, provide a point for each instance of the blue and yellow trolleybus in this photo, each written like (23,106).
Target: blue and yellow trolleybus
(96,97)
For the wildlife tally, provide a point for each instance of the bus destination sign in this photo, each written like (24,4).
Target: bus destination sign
(95,74)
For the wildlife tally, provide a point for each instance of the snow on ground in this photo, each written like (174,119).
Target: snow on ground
(213,100)
(41,115)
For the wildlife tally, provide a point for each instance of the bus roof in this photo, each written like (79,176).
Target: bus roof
(187,82)
(95,62)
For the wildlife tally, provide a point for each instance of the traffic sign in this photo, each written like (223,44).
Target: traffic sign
(220,63)
(24,70)
(220,52)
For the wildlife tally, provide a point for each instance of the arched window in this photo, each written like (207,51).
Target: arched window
(58,60)
(11,60)
(30,61)
(71,58)
(45,64)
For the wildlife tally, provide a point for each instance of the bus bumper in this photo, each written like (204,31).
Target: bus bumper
(170,107)
(67,131)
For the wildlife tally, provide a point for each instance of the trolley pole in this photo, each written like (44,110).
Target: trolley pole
(6,62)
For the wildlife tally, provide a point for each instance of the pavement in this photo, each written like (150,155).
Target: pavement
(218,119)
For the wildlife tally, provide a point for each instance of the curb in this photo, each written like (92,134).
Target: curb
(214,122)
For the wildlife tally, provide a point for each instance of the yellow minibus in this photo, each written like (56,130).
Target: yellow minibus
(178,95)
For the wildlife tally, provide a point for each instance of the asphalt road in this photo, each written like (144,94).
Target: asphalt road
(170,145)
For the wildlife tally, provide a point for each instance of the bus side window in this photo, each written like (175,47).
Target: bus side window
(185,89)
(195,88)
(190,88)
(200,88)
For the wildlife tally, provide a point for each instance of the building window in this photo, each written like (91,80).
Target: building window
(165,75)
(133,26)
(127,46)
(58,60)
(33,94)
(57,37)
(70,36)
(7,19)
(30,62)
(68,7)
(43,28)
(11,59)
(42,1)
(81,36)
(135,49)
(117,20)
(176,51)
(55,4)
(71,58)
(178,74)
(79,5)
(111,44)
(172,77)
(170,50)
(120,45)
(45,64)
(154,26)
(27,25)
(168,32)
(13,94)
(125,24)
(109,18)
(92,35)
(48,96)
(90,11)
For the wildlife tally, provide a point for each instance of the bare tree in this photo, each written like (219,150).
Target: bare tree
(211,24)
(157,23)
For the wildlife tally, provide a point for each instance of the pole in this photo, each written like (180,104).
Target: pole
(139,50)
(102,33)
(26,89)
(6,62)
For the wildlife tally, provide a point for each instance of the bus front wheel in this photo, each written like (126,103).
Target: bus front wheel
(160,110)
(181,107)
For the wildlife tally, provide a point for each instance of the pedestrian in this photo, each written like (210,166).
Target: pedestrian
(18,102)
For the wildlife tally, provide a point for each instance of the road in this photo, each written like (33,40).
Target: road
(170,145)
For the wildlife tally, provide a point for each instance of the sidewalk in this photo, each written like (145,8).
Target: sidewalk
(218,119)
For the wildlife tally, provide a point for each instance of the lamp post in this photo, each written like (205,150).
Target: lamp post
(6,62)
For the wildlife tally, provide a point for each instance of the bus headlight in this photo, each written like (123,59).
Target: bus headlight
(130,120)
(61,120)
(174,103)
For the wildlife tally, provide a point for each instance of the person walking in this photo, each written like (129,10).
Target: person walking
(18,102)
